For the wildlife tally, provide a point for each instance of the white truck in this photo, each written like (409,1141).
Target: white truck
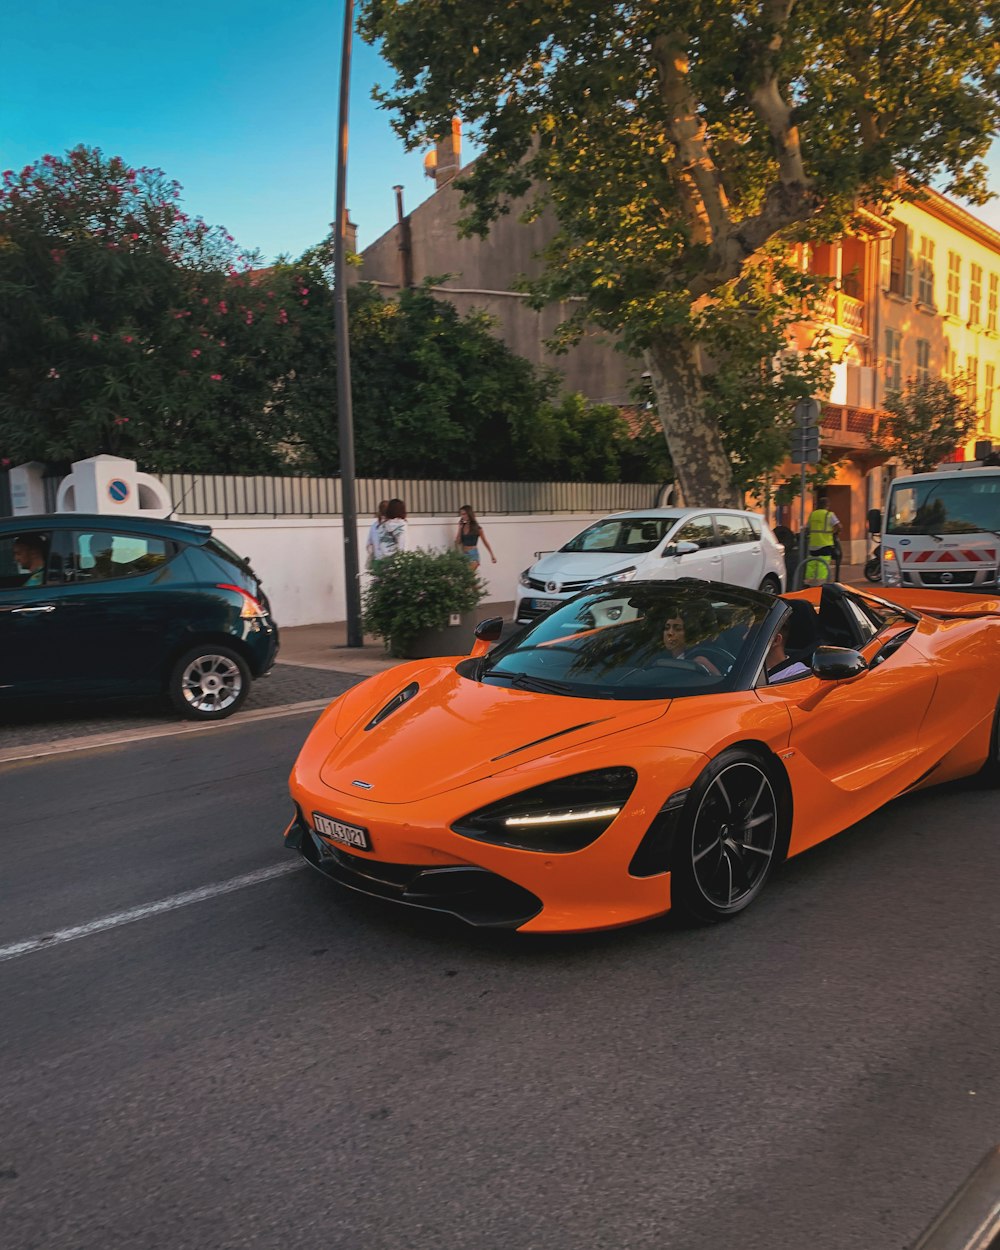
(942,530)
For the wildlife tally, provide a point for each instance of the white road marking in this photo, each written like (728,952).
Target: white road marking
(162,905)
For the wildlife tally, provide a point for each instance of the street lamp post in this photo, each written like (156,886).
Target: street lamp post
(345,414)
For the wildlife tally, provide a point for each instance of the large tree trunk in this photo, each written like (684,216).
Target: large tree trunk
(701,465)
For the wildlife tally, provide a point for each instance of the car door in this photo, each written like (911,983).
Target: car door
(114,608)
(706,562)
(742,557)
(856,744)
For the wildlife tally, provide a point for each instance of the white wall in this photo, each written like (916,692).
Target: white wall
(301,560)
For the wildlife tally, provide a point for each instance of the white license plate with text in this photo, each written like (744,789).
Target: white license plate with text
(349,835)
(543,605)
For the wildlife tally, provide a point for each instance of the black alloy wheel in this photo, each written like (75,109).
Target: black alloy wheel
(209,682)
(732,830)
(770,585)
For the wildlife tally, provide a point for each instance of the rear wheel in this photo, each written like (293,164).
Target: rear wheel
(731,832)
(209,683)
(770,585)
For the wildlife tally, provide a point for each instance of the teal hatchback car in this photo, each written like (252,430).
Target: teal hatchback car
(95,605)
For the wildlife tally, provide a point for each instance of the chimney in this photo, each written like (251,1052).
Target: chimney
(445,161)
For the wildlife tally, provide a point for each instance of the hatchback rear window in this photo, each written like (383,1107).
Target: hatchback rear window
(220,549)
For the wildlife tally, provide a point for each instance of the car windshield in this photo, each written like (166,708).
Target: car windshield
(969,505)
(657,640)
(628,535)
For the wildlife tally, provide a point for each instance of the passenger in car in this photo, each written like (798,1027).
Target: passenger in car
(778,665)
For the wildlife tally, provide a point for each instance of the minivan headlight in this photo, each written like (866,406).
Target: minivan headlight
(524,579)
(556,818)
(625,575)
(891,574)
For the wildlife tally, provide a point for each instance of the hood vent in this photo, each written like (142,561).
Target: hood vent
(395,702)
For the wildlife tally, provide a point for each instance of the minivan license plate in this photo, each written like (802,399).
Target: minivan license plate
(543,605)
(349,835)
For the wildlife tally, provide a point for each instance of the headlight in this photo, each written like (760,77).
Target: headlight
(555,818)
(625,575)
(891,575)
(524,580)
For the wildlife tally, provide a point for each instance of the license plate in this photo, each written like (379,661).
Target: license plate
(349,835)
(543,605)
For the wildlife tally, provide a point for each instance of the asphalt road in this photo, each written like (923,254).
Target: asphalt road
(288,1066)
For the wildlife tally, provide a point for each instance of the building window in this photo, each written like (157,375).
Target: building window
(925,272)
(954,283)
(923,359)
(975,294)
(991,308)
(971,379)
(897,262)
(989,384)
(893,360)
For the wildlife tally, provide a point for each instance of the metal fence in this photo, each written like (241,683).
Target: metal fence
(223,495)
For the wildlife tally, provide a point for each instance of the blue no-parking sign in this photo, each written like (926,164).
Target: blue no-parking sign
(117,490)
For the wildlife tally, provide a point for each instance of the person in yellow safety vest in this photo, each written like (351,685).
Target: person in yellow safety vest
(823,526)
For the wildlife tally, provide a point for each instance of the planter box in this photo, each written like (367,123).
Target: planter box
(451,640)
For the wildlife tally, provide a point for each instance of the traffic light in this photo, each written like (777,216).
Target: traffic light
(805,445)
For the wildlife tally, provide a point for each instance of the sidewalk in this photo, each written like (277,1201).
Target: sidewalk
(325,646)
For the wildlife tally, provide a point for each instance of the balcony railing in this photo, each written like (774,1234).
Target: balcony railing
(839,309)
(843,426)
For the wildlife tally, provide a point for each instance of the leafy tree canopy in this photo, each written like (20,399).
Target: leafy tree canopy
(127,326)
(684,145)
(438,395)
(924,423)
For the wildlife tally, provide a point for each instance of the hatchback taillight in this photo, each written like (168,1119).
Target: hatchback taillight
(252,609)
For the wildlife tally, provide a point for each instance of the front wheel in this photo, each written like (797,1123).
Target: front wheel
(208,683)
(873,569)
(770,585)
(732,830)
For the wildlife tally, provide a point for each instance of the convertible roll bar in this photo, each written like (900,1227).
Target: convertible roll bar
(971,1219)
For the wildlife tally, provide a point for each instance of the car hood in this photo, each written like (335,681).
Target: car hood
(574,566)
(455,731)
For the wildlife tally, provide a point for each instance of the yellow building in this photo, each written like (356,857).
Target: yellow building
(914,294)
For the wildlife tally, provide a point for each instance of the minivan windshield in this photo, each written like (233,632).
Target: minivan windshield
(954,505)
(629,535)
(656,640)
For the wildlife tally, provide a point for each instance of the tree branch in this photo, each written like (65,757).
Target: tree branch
(705,204)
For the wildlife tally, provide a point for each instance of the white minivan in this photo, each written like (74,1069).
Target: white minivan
(717,544)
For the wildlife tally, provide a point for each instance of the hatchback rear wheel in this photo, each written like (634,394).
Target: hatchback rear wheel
(209,683)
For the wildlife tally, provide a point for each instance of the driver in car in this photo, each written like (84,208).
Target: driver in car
(675,643)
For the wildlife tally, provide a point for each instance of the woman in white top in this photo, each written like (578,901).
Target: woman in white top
(391,536)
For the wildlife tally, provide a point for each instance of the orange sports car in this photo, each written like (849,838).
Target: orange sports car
(644,746)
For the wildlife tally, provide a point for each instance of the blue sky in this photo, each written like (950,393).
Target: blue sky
(236,101)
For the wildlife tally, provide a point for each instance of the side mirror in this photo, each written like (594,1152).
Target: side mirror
(838,663)
(875,521)
(487,632)
(681,549)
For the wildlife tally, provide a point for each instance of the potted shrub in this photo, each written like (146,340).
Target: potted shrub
(413,598)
